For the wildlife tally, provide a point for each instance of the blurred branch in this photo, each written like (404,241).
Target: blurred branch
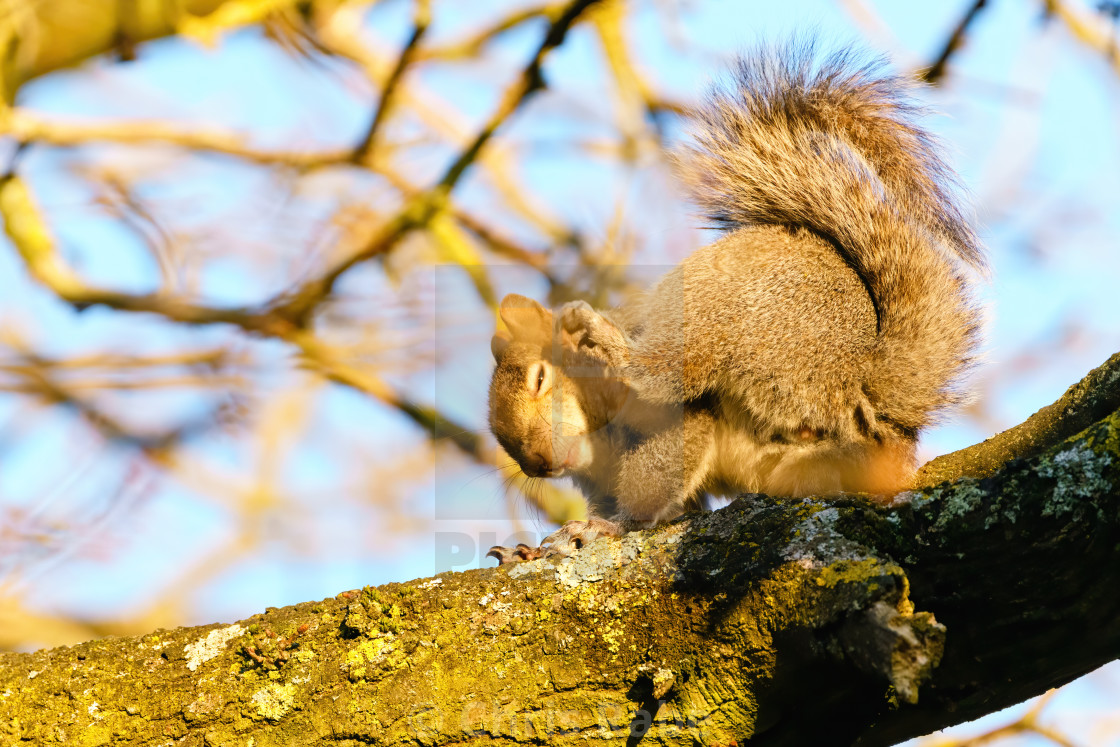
(120,201)
(206,28)
(27,127)
(215,358)
(502,246)
(20,626)
(59,381)
(30,236)
(342,37)
(1095,33)
(472,45)
(420,209)
(933,74)
(41,37)
(108,371)
(421,18)
(609,19)
(293,308)
(39,383)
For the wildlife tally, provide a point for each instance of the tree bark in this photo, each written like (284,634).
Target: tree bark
(781,622)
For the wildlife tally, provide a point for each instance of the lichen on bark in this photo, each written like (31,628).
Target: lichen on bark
(558,650)
(776,621)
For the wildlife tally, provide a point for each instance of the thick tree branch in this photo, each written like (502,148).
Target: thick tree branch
(39,38)
(1083,404)
(782,622)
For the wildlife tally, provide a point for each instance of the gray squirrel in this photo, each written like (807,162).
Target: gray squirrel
(801,353)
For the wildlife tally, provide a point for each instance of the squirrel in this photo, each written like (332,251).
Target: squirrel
(801,353)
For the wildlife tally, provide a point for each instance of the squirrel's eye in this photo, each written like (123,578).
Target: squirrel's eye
(536,379)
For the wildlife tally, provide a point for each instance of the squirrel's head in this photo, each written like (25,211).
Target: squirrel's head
(536,411)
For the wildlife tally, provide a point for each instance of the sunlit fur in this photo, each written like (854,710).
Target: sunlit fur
(804,351)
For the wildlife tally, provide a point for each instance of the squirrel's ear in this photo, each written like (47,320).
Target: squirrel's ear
(498,344)
(527,320)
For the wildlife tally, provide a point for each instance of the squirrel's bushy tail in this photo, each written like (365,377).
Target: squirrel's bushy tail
(830,144)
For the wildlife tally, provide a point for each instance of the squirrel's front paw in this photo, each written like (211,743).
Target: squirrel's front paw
(569,538)
(514,554)
(590,332)
(565,541)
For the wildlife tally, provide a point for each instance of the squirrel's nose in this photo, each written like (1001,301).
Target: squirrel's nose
(537,464)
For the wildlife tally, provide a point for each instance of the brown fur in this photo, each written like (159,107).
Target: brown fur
(801,353)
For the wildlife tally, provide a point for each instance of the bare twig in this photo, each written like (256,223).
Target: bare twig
(472,45)
(421,18)
(26,127)
(298,304)
(936,71)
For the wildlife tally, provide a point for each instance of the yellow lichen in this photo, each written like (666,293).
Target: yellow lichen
(611,636)
(274,701)
(365,653)
(847,571)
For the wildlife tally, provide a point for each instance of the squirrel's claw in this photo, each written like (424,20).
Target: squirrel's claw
(565,541)
(569,538)
(579,321)
(578,316)
(514,554)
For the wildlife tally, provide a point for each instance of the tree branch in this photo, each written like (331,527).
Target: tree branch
(1083,404)
(422,208)
(785,622)
(935,72)
(1096,33)
(39,38)
(422,16)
